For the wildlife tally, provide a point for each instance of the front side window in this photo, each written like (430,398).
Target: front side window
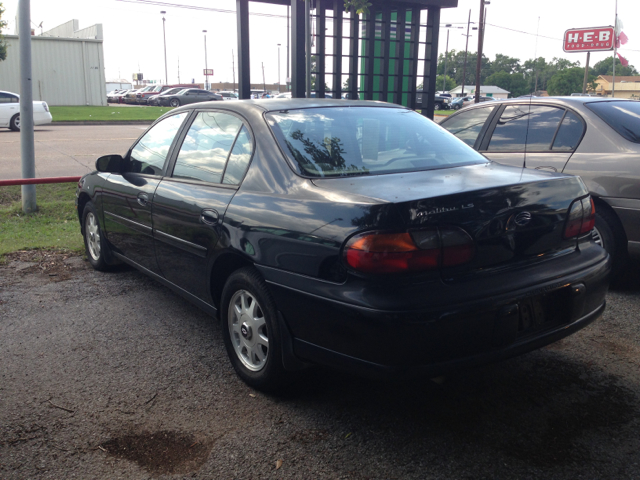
(338,141)
(622,116)
(467,125)
(205,149)
(150,153)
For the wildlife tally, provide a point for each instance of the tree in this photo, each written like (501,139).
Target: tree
(3,45)
(449,83)
(568,81)
(504,63)
(515,83)
(358,6)
(605,67)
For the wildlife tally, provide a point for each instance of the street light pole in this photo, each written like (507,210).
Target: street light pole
(466,48)
(206,68)
(164,36)
(480,42)
(278,68)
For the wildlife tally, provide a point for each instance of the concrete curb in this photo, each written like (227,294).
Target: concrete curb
(104,122)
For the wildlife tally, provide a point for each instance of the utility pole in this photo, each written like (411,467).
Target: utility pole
(446,53)
(27,147)
(264,84)
(466,49)
(164,36)
(307,42)
(288,37)
(178,69)
(206,68)
(479,59)
(278,68)
(233,66)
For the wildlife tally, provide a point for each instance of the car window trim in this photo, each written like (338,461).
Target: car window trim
(127,157)
(490,128)
(168,174)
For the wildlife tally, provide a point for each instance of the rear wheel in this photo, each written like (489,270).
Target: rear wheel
(251,333)
(609,234)
(14,124)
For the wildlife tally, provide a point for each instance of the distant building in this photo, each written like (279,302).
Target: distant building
(486,90)
(626,86)
(67,65)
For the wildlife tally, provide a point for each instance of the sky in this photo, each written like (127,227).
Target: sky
(133,32)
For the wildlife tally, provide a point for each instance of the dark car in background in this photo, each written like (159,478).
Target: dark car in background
(354,234)
(188,96)
(156,99)
(131,97)
(441,102)
(596,138)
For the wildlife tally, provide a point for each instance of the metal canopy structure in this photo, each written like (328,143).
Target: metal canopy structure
(359,56)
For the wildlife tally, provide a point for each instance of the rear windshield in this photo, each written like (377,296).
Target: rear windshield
(338,141)
(622,116)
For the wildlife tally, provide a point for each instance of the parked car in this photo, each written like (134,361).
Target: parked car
(441,102)
(143,97)
(358,235)
(111,96)
(10,111)
(156,99)
(228,95)
(596,138)
(187,96)
(119,97)
(130,98)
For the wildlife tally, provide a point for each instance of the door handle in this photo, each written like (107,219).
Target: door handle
(209,217)
(143,199)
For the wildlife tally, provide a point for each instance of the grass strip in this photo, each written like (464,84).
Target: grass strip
(54,226)
(109,113)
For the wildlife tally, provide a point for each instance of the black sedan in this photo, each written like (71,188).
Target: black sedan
(156,99)
(187,96)
(358,235)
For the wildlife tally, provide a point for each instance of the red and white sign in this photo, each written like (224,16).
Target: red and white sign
(208,71)
(588,39)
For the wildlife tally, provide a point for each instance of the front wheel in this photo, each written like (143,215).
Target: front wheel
(94,242)
(250,331)
(174,102)
(14,124)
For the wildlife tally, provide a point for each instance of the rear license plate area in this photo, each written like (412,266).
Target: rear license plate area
(543,312)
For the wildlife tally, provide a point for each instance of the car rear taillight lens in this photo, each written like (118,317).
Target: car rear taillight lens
(420,250)
(581,219)
(45,106)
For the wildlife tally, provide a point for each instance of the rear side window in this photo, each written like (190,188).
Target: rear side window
(569,134)
(205,149)
(543,125)
(467,125)
(8,98)
(510,134)
(622,116)
(239,158)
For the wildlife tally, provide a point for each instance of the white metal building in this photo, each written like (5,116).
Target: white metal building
(488,90)
(67,65)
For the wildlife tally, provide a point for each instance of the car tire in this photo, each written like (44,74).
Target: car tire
(94,242)
(174,102)
(251,331)
(14,123)
(609,234)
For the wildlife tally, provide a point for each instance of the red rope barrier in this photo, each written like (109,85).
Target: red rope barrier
(32,181)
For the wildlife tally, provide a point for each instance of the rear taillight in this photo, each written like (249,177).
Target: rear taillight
(581,219)
(420,250)
(45,106)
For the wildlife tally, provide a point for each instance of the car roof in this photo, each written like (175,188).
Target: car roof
(10,93)
(567,101)
(279,104)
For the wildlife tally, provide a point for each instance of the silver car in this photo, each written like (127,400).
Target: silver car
(596,138)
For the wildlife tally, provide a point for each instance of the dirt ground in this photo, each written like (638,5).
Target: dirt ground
(114,376)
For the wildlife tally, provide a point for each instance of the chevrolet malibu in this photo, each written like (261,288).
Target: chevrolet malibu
(357,235)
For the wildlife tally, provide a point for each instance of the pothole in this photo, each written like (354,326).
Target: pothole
(161,452)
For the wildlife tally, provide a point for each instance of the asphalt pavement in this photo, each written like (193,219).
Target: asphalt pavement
(66,150)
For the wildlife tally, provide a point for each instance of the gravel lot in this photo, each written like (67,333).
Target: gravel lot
(114,376)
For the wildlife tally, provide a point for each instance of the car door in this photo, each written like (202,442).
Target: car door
(535,136)
(190,203)
(9,106)
(128,196)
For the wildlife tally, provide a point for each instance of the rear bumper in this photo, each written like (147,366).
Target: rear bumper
(439,338)
(41,118)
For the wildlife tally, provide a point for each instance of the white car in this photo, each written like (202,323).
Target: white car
(10,111)
(228,95)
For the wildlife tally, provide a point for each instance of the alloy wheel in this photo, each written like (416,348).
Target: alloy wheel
(248,330)
(92,233)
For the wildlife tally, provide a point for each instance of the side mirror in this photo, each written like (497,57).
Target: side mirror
(110,163)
